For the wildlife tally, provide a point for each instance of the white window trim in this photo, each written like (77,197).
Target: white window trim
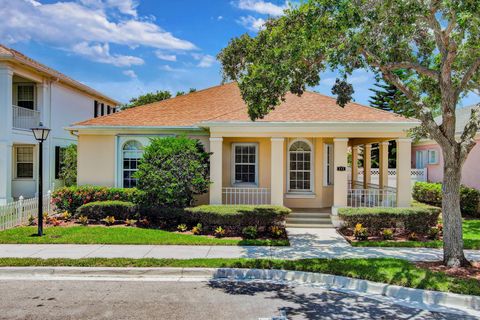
(232,165)
(122,156)
(326,146)
(301,193)
(34,154)
(15,93)
(432,151)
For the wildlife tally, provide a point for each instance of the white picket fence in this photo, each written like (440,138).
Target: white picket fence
(16,213)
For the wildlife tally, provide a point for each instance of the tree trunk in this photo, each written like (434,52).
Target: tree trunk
(453,255)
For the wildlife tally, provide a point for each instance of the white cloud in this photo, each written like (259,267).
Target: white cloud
(164,56)
(68,24)
(130,73)
(101,53)
(262,7)
(220,18)
(168,68)
(251,23)
(205,60)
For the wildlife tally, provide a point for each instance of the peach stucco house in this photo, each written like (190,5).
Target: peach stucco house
(296,156)
(428,154)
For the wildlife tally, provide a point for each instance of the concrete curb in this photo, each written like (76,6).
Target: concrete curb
(427,298)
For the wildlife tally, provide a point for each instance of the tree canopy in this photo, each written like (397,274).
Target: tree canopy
(151,97)
(436,41)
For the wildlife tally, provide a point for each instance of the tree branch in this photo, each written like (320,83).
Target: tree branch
(433,74)
(424,113)
(468,76)
(467,139)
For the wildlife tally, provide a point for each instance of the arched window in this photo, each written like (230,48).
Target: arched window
(300,166)
(131,153)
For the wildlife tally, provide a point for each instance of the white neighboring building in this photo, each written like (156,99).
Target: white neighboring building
(31,92)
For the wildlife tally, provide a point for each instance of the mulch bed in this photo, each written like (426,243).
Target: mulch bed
(472,272)
(398,236)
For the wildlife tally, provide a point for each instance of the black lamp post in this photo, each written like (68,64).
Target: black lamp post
(40,133)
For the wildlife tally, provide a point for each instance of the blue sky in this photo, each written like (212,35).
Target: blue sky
(128,47)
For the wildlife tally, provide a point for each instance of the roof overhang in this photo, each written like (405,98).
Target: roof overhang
(14,60)
(131,129)
(326,126)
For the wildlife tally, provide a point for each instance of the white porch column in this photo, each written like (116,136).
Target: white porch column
(404,184)
(277,171)
(216,146)
(354,165)
(6,124)
(367,165)
(383,165)
(44,106)
(340,178)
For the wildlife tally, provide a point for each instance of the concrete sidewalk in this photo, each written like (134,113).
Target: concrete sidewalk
(305,243)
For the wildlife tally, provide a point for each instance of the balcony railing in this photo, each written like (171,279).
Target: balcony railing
(24,118)
(253,196)
(359,198)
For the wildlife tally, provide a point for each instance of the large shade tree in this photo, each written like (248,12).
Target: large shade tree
(436,41)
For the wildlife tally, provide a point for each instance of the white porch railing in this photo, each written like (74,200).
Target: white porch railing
(17,213)
(358,198)
(245,196)
(24,118)
(416,174)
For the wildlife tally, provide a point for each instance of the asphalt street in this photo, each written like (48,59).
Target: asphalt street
(71,299)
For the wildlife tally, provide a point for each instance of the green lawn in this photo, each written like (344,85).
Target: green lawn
(471,239)
(119,235)
(392,271)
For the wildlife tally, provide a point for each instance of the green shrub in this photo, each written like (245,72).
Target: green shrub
(418,218)
(250,232)
(83,220)
(360,233)
(182,227)
(99,210)
(431,193)
(236,217)
(68,165)
(387,234)
(71,198)
(219,232)
(109,220)
(172,171)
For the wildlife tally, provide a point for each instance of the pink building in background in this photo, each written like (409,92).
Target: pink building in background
(427,154)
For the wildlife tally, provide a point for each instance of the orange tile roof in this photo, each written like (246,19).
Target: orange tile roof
(224,103)
(11,54)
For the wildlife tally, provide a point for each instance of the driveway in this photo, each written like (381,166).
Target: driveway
(193,300)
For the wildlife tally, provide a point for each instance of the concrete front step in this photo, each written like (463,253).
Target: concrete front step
(303,215)
(309,225)
(309,220)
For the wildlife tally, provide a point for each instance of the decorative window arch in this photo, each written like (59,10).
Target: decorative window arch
(300,166)
(131,153)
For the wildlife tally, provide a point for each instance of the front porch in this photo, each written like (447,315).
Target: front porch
(308,171)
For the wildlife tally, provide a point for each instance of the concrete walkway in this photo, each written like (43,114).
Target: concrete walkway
(305,243)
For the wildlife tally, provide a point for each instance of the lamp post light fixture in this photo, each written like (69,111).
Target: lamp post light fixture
(40,133)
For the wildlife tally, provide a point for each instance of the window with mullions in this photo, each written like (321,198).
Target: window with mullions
(245,163)
(300,167)
(24,162)
(132,152)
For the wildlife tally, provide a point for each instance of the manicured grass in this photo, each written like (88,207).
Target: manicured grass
(471,239)
(386,270)
(120,235)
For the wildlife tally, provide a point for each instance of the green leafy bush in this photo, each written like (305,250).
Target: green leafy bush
(172,171)
(68,165)
(99,210)
(360,233)
(431,193)
(236,217)
(250,232)
(219,232)
(418,218)
(387,234)
(71,198)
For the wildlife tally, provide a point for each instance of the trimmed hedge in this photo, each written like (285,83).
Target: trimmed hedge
(97,210)
(71,198)
(431,193)
(237,217)
(419,218)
